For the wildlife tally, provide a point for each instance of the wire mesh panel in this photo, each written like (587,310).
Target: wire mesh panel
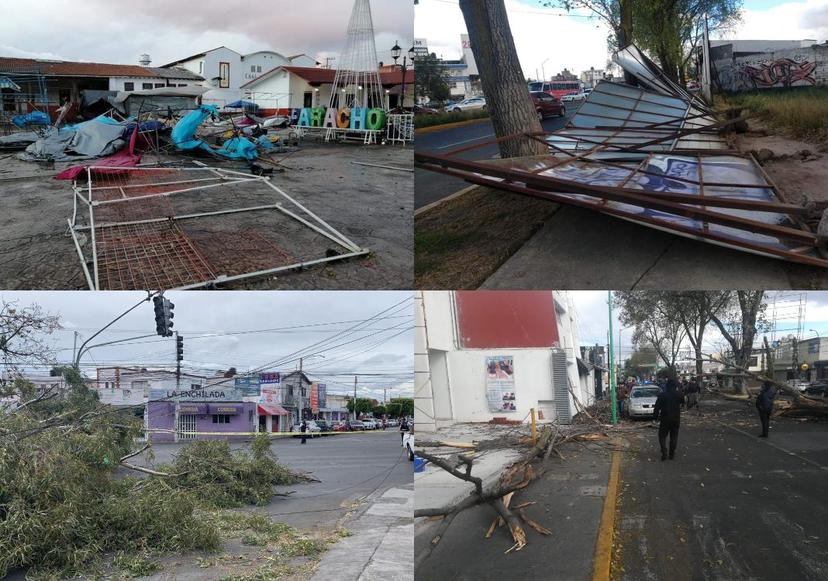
(144,256)
(234,253)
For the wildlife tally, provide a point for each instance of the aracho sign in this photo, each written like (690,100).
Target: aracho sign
(352,119)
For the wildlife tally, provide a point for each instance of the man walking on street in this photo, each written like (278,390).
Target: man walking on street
(668,411)
(620,395)
(764,404)
(304,429)
(693,390)
(403,428)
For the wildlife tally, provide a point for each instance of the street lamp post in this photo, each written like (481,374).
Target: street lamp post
(396,51)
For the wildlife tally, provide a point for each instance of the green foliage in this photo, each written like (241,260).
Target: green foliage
(62,505)
(407,404)
(421,121)
(222,478)
(379,411)
(363,405)
(431,78)
(136,565)
(801,112)
(394,410)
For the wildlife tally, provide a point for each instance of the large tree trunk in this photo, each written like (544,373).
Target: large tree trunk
(625,33)
(507,96)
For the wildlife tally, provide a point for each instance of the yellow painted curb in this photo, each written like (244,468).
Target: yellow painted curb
(603,545)
(433,128)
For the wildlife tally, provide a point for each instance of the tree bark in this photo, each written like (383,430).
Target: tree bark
(507,96)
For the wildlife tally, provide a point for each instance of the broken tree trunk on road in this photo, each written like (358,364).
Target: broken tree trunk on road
(515,477)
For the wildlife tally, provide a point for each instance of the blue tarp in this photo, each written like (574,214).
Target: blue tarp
(183,134)
(33,118)
(238,148)
(264,142)
(242,104)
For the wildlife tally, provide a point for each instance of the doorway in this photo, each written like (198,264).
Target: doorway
(186,428)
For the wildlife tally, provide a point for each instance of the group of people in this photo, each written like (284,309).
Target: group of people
(668,412)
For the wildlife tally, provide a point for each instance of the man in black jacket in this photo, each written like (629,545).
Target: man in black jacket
(668,410)
(764,404)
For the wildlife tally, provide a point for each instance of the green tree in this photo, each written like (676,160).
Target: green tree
(394,410)
(406,403)
(654,323)
(379,410)
(363,405)
(431,78)
(642,362)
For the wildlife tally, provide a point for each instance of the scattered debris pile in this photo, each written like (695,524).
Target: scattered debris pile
(656,155)
(532,464)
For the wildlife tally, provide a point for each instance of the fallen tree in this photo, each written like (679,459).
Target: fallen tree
(514,478)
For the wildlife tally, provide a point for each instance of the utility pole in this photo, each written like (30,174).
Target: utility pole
(384,395)
(177,366)
(301,388)
(355,398)
(75,346)
(613,403)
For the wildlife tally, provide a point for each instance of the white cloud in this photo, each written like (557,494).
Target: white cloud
(545,41)
(787,21)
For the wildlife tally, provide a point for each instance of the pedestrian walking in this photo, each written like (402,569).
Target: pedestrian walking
(620,398)
(693,390)
(764,405)
(668,411)
(403,428)
(304,429)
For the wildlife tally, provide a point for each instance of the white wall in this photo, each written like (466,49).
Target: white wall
(303,60)
(261,62)
(285,90)
(117,83)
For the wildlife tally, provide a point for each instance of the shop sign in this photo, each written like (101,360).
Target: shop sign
(215,393)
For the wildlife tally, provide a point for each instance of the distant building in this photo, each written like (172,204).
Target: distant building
(225,71)
(420,48)
(591,77)
(565,75)
(730,49)
(48,84)
(790,354)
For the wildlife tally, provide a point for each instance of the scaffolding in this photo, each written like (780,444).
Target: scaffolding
(131,230)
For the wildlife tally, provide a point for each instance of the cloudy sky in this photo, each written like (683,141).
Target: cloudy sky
(248,330)
(593,318)
(549,39)
(118,32)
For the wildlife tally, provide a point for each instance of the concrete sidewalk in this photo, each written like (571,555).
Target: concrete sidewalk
(381,545)
(569,500)
(581,249)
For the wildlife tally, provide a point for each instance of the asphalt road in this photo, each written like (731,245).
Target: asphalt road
(349,468)
(730,506)
(430,186)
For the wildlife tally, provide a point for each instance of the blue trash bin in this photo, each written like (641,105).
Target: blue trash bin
(419,464)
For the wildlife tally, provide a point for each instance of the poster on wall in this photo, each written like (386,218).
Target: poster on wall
(322,393)
(249,385)
(500,383)
(314,398)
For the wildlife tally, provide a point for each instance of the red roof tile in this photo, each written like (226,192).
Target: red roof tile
(73,69)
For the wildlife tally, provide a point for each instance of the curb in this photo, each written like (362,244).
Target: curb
(603,545)
(433,205)
(433,128)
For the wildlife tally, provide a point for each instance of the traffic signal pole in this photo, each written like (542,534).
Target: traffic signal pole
(76,364)
(613,402)
(177,365)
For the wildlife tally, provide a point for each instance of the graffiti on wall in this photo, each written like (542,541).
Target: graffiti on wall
(781,72)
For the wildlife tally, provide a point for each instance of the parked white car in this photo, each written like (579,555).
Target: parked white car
(370,424)
(313,428)
(408,444)
(393,423)
(574,97)
(468,105)
(642,400)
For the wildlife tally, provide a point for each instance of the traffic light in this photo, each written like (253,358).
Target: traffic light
(179,348)
(163,316)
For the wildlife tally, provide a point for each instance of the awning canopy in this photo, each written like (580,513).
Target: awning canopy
(7,83)
(272,409)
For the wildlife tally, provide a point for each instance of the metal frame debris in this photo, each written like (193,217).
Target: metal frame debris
(137,241)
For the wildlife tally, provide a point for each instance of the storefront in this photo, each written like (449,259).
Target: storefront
(273,418)
(203,414)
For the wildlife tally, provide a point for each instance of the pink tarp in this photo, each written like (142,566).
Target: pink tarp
(124,158)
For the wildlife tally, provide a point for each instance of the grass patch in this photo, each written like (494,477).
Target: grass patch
(801,113)
(461,242)
(136,565)
(422,121)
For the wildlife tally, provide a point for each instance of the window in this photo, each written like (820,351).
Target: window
(200,67)
(182,84)
(754,361)
(258,68)
(159,85)
(307,99)
(252,68)
(224,75)
(221,419)
(129,86)
(146,86)
(290,390)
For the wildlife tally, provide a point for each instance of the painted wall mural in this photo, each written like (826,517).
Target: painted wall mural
(781,72)
(803,67)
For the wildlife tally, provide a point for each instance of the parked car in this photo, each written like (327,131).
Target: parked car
(817,389)
(642,400)
(313,429)
(574,97)
(340,427)
(392,423)
(546,105)
(370,424)
(323,426)
(408,444)
(421,110)
(356,426)
(468,105)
